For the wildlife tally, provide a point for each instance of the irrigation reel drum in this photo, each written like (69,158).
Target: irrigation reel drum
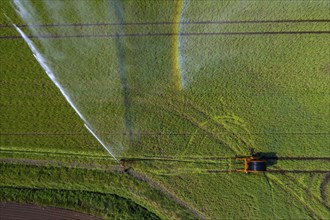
(252,165)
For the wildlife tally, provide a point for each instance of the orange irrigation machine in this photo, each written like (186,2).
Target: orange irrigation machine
(252,165)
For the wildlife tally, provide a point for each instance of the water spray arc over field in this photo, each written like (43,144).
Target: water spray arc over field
(51,75)
(41,60)
(69,81)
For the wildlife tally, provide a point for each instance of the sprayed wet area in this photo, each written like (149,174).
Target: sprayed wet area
(110,82)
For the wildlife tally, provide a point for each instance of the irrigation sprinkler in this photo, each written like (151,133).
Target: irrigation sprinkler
(252,164)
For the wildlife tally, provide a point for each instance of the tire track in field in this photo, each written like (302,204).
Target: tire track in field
(105,36)
(281,171)
(314,207)
(301,158)
(15,82)
(62,154)
(195,117)
(229,130)
(56,163)
(164,23)
(158,158)
(292,192)
(156,134)
(305,188)
(130,160)
(323,190)
(314,202)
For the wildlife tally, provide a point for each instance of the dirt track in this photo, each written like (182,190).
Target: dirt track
(162,189)
(11,211)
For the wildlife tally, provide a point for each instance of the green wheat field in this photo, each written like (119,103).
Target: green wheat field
(177,90)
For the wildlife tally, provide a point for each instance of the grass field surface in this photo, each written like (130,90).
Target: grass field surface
(175,89)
